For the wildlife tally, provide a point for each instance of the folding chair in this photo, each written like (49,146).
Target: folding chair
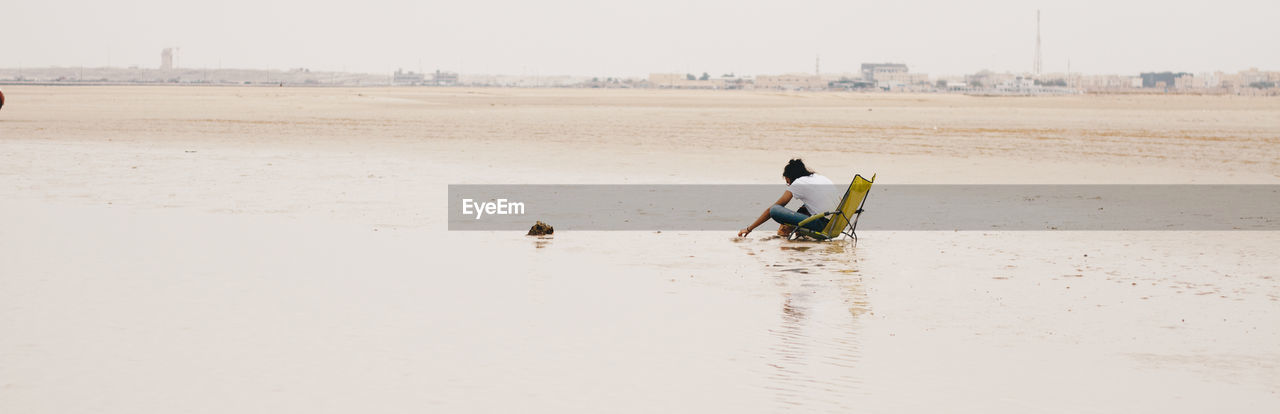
(845,219)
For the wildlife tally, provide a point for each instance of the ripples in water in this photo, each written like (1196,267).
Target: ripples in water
(816,345)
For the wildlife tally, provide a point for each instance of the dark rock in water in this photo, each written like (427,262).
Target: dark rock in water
(541,229)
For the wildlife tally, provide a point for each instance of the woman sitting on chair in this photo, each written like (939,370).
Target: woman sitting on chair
(816,192)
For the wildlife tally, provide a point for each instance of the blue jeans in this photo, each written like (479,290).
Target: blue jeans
(784,215)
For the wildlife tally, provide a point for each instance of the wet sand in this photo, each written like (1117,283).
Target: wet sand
(281,249)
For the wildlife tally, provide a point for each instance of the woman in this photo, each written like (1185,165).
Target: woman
(816,192)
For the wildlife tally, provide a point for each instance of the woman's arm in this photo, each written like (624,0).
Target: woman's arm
(782,201)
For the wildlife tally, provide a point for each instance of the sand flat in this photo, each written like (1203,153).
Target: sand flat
(284,249)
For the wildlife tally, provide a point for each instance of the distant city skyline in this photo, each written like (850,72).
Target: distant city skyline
(633,39)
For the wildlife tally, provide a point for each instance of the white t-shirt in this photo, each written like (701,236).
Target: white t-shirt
(816,192)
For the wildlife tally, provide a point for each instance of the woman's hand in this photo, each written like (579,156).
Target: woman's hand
(786,198)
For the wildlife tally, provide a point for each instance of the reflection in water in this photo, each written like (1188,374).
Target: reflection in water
(817,347)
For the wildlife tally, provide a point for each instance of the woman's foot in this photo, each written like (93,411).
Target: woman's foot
(786,230)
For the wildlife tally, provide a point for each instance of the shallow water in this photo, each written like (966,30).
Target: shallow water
(221,311)
(246,268)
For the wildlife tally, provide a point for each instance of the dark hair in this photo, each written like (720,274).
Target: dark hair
(795,169)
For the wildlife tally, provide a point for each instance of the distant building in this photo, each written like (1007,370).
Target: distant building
(793,81)
(892,76)
(1107,82)
(407,78)
(166,59)
(1230,80)
(1207,80)
(1160,79)
(954,85)
(870,70)
(847,83)
(666,80)
(897,80)
(1253,76)
(444,78)
(1185,81)
(683,81)
(989,79)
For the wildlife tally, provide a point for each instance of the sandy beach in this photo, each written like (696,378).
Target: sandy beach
(229,249)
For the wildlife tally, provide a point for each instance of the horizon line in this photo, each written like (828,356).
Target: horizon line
(459,73)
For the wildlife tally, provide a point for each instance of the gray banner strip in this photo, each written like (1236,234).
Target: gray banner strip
(888,207)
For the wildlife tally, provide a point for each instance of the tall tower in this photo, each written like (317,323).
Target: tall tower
(1035,66)
(166,59)
(817,65)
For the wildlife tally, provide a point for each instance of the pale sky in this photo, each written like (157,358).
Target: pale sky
(634,38)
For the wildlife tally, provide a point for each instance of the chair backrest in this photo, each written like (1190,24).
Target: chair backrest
(849,205)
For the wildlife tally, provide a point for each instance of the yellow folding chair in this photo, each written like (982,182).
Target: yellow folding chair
(845,219)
